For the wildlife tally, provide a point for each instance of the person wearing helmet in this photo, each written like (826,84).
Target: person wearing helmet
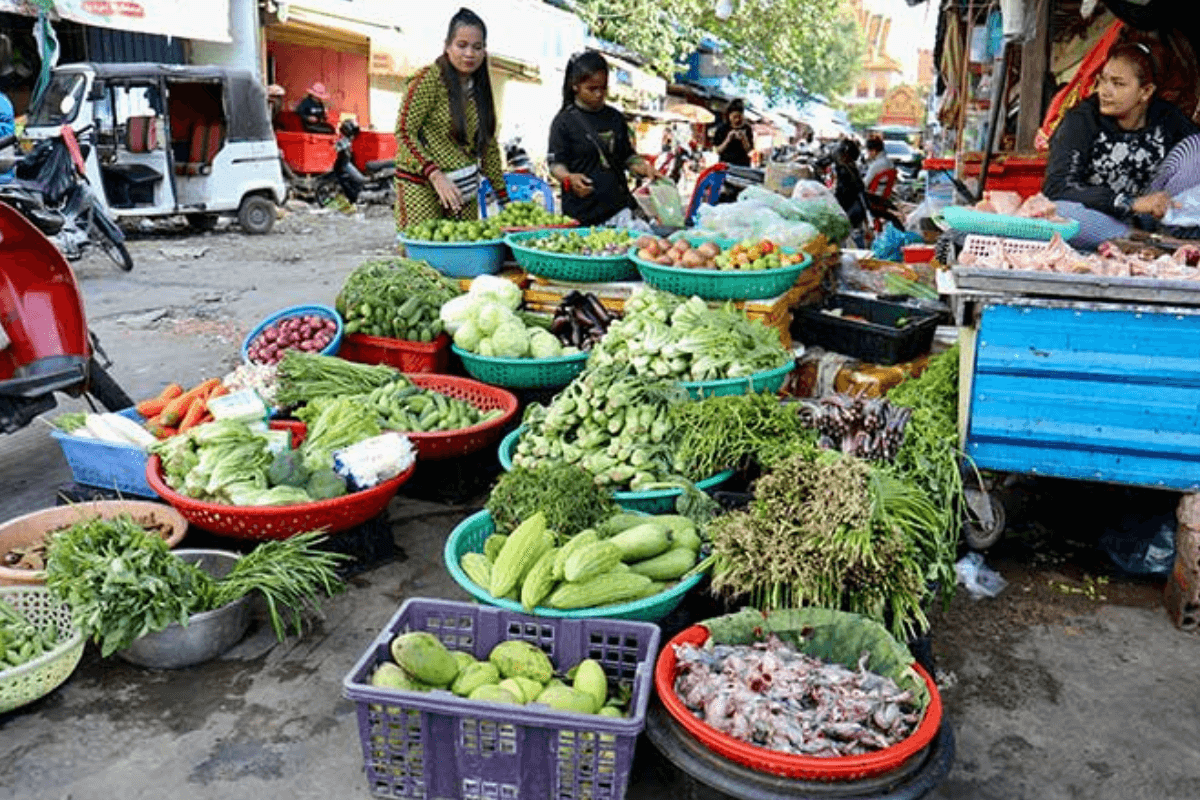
(311,110)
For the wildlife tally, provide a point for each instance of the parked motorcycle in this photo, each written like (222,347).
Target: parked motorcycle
(376,185)
(52,191)
(45,344)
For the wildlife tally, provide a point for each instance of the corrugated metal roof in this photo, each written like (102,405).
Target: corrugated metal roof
(1088,393)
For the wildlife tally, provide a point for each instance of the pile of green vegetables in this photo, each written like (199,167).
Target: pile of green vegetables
(303,377)
(20,640)
(828,530)
(930,457)
(673,337)
(566,493)
(599,242)
(614,424)
(740,432)
(397,298)
(403,406)
(122,582)
(488,320)
(230,463)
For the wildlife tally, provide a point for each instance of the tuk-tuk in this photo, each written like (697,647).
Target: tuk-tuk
(162,140)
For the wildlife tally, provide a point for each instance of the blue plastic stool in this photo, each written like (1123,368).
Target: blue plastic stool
(520,186)
(708,189)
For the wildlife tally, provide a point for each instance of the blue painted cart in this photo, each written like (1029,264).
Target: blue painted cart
(1079,377)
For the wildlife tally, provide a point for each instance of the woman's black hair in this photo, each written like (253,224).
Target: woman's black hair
(875,144)
(1139,56)
(734,107)
(485,108)
(581,67)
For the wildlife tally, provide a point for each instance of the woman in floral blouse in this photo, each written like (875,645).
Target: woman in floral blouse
(446,131)
(1108,149)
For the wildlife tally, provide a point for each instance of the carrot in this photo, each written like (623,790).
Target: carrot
(194,413)
(156,429)
(174,410)
(169,432)
(154,406)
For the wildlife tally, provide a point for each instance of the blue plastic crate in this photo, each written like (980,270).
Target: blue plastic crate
(436,744)
(105,465)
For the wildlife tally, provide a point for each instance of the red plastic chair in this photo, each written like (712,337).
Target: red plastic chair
(883,183)
(708,189)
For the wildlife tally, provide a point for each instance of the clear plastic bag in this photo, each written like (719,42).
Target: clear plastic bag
(1186,212)
(977,577)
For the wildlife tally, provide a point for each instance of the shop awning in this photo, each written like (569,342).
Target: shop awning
(207,20)
(515,68)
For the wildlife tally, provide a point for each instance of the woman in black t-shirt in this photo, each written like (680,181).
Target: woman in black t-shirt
(733,139)
(590,146)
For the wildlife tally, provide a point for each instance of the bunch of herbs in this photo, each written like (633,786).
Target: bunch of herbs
(122,581)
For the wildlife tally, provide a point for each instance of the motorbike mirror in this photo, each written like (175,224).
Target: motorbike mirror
(67,105)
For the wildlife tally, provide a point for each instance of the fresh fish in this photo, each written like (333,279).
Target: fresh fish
(773,696)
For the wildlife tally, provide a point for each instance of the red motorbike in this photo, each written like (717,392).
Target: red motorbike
(45,344)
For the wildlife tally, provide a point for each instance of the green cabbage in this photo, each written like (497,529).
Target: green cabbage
(543,344)
(491,315)
(467,336)
(511,340)
(499,290)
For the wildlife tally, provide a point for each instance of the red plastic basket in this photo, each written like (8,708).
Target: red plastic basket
(278,522)
(434,445)
(403,355)
(760,759)
(448,444)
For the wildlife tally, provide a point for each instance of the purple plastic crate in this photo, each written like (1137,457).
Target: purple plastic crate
(436,744)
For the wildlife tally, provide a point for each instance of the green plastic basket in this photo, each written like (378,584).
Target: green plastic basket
(468,537)
(37,678)
(711,284)
(655,501)
(567,266)
(770,380)
(970,220)
(522,373)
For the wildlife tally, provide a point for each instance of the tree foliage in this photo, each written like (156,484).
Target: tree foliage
(864,115)
(787,46)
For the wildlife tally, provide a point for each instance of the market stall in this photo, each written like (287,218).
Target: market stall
(623,380)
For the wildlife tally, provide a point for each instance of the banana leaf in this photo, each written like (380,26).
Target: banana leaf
(832,636)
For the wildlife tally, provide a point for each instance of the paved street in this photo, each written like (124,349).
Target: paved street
(1062,687)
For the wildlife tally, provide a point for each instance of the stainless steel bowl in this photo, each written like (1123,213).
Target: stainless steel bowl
(206,635)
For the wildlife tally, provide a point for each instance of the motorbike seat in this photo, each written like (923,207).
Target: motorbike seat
(383,163)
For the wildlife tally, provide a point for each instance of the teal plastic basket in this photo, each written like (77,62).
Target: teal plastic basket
(655,501)
(970,220)
(522,373)
(468,537)
(568,266)
(770,380)
(711,284)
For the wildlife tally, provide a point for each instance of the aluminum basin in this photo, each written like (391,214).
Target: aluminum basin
(206,635)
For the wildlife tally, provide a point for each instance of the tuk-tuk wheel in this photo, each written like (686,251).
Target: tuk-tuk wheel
(201,223)
(256,214)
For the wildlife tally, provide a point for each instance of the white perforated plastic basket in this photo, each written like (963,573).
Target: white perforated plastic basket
(989,247)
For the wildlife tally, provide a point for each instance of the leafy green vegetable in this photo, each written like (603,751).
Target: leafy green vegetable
(565,493)
(122,581)
(693,343)
(305,376)
(342,421)
(398,298)
(287,469)
(738,431)
(70,422)
(253,493)
(930,458)
(325,484)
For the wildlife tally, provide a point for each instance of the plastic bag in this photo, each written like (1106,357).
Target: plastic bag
(1142,546)
(1186,213)
(790,234)
(889,245)
(979,579)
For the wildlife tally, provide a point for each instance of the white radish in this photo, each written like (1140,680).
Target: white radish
(134,433)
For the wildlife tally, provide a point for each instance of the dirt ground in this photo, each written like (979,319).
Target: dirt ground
(1071,683)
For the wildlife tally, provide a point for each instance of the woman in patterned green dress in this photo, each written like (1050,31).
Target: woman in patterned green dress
(446,131)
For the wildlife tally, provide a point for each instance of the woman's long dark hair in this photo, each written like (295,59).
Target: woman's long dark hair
(485,108)
(581,67)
